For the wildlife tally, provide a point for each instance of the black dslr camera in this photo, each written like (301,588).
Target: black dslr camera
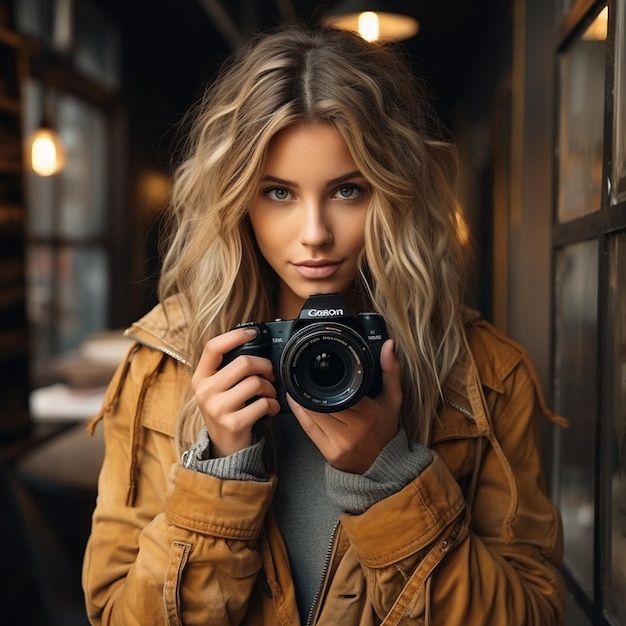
(326,359)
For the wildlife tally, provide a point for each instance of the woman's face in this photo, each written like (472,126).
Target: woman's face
(309,213)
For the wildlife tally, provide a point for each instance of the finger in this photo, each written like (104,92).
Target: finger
(243,366)
(261,407)
(234,432)
(318,426)
(250,410)
(391,389)
(217,397)
(215,349)
(388,361)
(302,415)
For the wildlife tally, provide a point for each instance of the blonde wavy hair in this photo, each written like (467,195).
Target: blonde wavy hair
(411,269)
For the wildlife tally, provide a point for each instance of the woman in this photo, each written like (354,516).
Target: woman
(314,167)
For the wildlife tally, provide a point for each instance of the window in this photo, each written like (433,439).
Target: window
(581,126)
(68,226)
(589,249)
(615,591)
(67,252)
(576,348)
(618,178)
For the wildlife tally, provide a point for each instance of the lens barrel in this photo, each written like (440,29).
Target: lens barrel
(326,367)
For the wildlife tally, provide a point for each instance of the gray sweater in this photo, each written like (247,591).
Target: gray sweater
(311,494)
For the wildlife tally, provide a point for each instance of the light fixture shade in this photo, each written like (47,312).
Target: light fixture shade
(45,152)
(373,20)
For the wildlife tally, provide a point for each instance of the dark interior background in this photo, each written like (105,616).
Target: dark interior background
(172,49)
(184,41)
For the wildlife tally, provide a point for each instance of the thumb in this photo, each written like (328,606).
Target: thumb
(391,394)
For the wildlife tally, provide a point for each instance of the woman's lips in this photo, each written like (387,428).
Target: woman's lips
(317,269)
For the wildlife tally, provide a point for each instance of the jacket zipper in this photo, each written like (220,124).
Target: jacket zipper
(160,348)
(327,560)
(462,410)
(331,543)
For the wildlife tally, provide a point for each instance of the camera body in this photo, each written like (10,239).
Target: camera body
(327,359)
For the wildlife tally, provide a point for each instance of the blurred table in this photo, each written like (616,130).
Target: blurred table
(61,402)
(70,460)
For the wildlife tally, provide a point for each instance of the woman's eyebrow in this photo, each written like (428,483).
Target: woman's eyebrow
(280,181)
(344,177)
(333,181)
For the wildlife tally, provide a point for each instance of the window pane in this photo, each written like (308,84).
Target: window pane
(67,299)
(616,588)
(79,190)
(575,375)
(82,191)
(77,29)
(581,127)
(39,189)
(40,275)
(35,18)
(83,284)
(96,46)
(618,191)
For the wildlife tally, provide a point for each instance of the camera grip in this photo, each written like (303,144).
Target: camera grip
(259,346)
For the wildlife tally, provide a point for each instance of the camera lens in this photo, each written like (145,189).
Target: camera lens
(326,367)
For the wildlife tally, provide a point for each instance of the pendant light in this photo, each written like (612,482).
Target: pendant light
(44,149)
(373,20)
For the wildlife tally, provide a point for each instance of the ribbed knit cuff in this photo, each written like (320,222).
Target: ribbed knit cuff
(396,466)
(246,464)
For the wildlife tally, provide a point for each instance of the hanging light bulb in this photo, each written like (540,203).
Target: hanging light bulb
(46,151)
(369,25)
(374,21)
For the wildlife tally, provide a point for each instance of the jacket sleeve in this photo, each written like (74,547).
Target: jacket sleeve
(433,558)
(164,536)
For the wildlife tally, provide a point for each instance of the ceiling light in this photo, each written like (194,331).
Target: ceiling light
(374,21)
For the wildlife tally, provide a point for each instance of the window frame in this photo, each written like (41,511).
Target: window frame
(600,226)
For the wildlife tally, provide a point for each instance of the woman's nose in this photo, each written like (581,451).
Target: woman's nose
(316,230)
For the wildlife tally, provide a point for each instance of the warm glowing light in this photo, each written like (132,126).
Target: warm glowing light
(462,229)
(369,26)
(377,25)
(155,189)
(47,155)
(598,29)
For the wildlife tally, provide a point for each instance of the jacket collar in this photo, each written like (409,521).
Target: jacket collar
(463,411)
(164,328)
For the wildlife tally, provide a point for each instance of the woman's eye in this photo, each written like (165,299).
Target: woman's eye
(349,192)
(279,194)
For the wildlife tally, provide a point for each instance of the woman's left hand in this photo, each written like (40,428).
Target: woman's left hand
(351,440)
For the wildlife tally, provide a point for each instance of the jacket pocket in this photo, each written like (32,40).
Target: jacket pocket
(171,587)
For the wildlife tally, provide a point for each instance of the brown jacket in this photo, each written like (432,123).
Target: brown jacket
(473,540)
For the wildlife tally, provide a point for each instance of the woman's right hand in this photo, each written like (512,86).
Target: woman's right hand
(224,395)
